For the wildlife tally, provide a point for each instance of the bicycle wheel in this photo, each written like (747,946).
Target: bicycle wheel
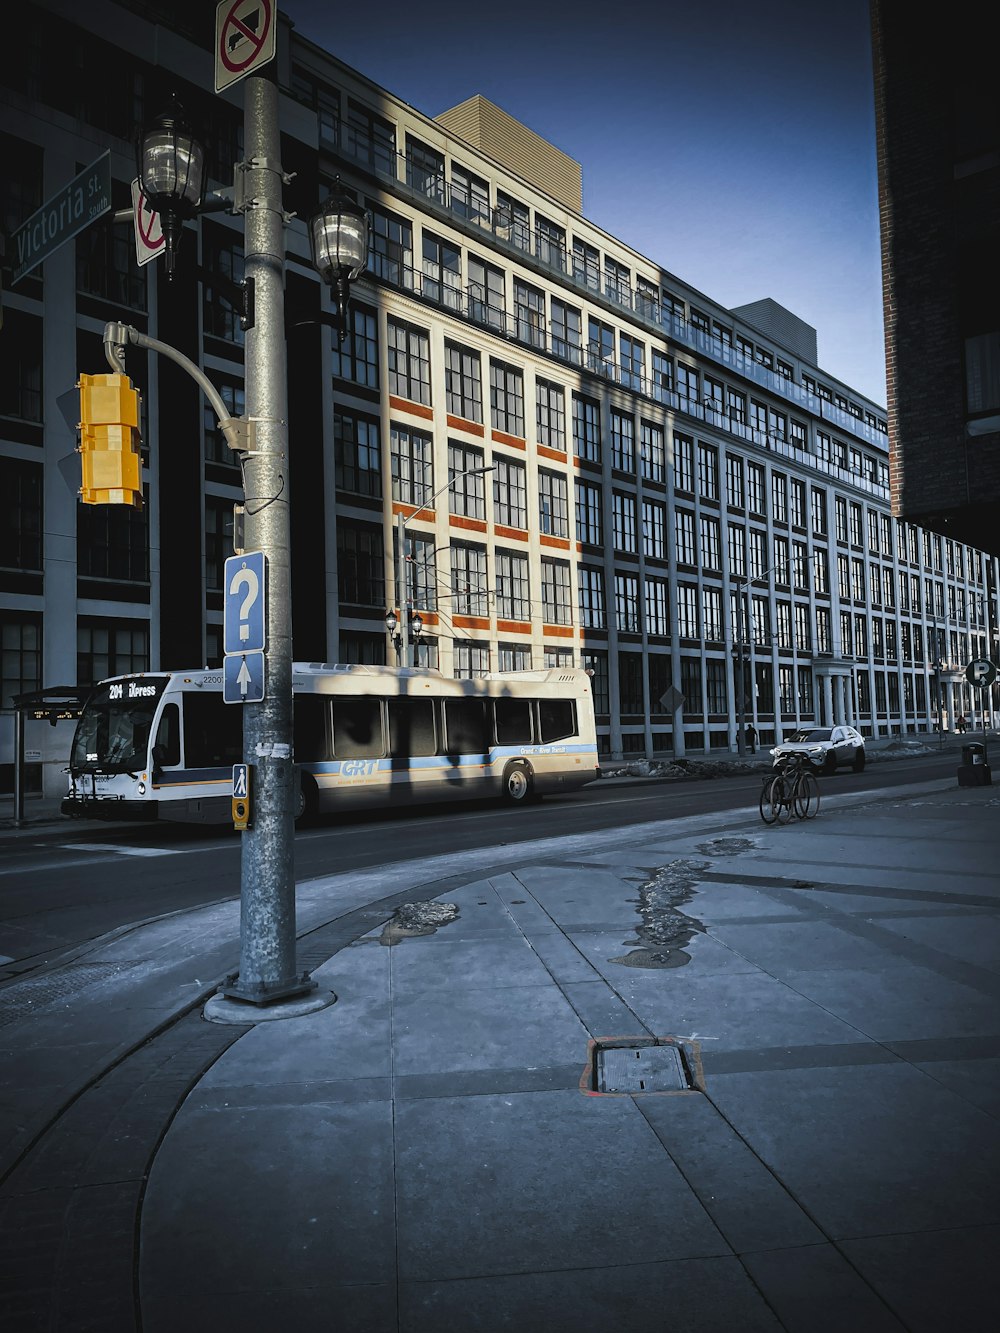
(807,796)
(786,799)
(770,790)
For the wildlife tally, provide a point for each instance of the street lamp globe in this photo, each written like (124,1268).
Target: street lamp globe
(338,239)
(171,169)
(391,622)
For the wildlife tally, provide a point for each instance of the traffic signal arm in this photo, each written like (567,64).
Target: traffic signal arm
(109,441)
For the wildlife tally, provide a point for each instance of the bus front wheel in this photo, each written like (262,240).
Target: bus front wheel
(518,783)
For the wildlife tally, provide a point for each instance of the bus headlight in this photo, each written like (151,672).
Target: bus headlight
(140,788)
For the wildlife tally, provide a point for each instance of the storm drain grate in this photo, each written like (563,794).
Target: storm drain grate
(633,1067)
(31,995)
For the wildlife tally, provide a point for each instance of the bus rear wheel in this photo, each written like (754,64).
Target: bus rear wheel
(306,801)
(518,783)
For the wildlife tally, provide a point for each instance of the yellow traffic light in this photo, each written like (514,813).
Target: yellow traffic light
(109,441)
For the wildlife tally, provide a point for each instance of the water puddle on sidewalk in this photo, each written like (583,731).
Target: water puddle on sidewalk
(665,931)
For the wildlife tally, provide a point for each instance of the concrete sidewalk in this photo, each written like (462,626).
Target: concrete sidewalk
(817,1148)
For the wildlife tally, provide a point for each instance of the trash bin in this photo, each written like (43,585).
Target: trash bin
(974,771)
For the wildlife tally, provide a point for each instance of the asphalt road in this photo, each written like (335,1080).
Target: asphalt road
(75,882)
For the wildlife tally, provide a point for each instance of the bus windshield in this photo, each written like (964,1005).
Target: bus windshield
(112,736)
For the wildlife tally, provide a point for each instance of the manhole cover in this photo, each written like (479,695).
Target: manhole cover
(638,1069)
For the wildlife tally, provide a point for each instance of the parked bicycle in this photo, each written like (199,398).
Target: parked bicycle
(790,791)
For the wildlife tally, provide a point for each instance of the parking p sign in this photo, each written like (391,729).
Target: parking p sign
(981,673)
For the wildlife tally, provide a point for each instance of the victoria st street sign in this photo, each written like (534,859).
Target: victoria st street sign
(76,206)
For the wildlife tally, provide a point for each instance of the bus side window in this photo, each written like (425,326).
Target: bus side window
(167,746)
(411,727)
(465,727)
(213,731)
(311,737)
(558,719)
(357,728)
(513,721)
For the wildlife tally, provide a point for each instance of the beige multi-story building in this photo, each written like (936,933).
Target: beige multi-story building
(584,459)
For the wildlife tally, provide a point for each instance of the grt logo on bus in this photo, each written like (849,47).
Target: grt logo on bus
(134,691)
(358,768)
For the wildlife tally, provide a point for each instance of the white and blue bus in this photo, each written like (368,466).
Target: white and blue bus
(163,744)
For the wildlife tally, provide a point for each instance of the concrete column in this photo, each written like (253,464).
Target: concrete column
(827,701)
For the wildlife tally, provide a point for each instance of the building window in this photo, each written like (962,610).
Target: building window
(633,355)
(657,617)
(652,452)
(513,599)
(110,648)
(779,497)
(596,662)
(472,660)
(112,542)
(21,367)
(356,358)
(735,493)
(627,603)
(797,492)
(358,454)
(391,253)
(803,636)
(529,312)
(425,170)
(513,657)
(510,505)
(233,395)
(553,504)
(683,463)
(412,474)
(654,530)
(586,265)
(623,521)
(550,243)
(370,140)
(708,471)
(630,693)
(586,429)
(691,685)
(663,376)
(469,587)
(711,543)
(360,564)
(567,331)
(687,611)
(513,221)
(20,514)
(466,481)
(551,414)
(420,572)
(487,295)
(622,442)
(711,609)
(106,263)
(556,602)
(21,656)
(755,488)
(684,551)
(591,596)
(218,540)
(589,524)
(463,383)
(470,197)
(600,348)
(818,512)
(736,539)
(409,362)
(756,543)
(780,562)
(221,255)
(506,399)
(441,272)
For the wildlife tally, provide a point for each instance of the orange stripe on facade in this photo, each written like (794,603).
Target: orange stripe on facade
(560,542)
(470,427)
(470,622)
(469,524)
(515,441)
(510,534)
(558,631)
(513,627)
(415,409)
(543,451)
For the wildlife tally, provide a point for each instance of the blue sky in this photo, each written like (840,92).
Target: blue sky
(733,144)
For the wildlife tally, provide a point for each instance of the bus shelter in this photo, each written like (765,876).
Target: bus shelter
(56,703)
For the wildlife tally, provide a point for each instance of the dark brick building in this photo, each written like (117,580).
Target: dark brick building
(938,136)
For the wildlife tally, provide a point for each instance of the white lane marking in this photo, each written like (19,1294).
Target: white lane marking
(121,851)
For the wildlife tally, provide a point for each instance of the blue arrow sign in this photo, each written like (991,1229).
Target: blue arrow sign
(243,678)
(244,609)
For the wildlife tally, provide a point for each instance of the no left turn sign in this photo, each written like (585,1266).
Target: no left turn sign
(244,39)
(148,227)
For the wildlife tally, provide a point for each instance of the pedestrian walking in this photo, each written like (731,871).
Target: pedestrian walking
(751,734)
(960,724)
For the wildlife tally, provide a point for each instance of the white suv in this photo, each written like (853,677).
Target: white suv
(826,748)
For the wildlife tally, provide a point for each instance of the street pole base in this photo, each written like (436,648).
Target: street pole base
(230,1005)
(263,992)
